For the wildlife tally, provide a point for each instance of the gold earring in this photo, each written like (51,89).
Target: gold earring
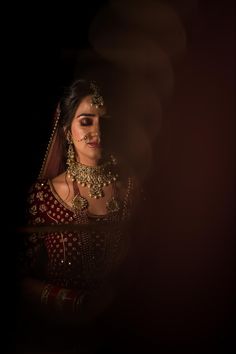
(70,152)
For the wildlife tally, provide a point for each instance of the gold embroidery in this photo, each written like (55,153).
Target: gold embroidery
(42,207)
(33,210)
(93,255)
(39,220)
(39,196)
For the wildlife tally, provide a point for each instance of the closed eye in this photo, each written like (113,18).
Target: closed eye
(86,121)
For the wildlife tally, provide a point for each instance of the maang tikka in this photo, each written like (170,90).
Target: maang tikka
(97,98)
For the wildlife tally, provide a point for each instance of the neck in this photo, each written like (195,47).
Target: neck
(90,162)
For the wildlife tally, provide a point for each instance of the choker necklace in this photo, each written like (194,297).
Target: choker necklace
(93,177)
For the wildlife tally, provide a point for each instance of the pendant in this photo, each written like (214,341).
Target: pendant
(79,203)
(112,205)
(96,191)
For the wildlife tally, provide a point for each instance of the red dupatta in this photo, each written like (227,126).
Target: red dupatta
(53,160)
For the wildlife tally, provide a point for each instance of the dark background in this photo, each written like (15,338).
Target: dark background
(184,272)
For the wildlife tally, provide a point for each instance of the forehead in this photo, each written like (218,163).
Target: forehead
(86,106)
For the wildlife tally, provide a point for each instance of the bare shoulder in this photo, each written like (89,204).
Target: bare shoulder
(62,186)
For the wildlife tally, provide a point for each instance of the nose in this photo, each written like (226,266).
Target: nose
(94,134)
(96,126)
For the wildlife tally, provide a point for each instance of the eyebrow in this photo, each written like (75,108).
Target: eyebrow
(86,115)
(92,115)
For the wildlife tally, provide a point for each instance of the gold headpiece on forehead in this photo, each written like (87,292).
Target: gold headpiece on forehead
(97,98)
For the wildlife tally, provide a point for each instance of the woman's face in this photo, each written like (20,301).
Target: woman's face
(85,131)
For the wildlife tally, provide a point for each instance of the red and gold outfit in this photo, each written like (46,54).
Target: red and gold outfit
(71,257)
(80,259)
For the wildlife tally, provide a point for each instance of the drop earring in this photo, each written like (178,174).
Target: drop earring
(70,152)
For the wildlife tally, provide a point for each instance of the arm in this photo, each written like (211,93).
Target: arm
(51,302)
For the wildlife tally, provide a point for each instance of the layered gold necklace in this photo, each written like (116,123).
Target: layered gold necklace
(93,177)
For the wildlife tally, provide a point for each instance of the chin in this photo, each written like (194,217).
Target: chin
(95,157)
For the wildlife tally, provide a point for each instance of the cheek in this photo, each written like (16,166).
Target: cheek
(78,132)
